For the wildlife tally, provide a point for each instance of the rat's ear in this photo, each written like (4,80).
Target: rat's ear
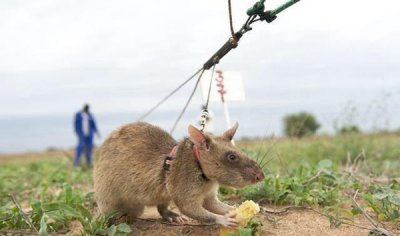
(230,132)
(198,137)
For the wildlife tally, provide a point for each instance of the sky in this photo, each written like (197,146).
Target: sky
(123,56)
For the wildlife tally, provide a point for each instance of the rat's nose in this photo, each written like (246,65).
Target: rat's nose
(258,176)
(253,174)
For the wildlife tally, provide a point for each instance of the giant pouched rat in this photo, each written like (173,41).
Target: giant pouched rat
(130,173)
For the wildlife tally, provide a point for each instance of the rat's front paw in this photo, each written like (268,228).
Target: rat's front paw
(227,221)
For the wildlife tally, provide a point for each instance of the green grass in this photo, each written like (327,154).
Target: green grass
(44,189)
(326,172)
(302,172)
(380,152)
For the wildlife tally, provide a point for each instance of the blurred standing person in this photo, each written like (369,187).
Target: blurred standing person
(85,128)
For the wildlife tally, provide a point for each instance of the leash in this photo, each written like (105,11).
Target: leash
(204,112)
(169,95)
(187,103)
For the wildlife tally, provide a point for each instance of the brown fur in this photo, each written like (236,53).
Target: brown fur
(129,174)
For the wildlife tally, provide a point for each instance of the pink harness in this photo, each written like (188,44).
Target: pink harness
(171,156)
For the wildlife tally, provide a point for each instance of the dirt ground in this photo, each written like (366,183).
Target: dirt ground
(294,222)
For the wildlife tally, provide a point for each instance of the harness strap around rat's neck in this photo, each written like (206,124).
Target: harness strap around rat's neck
(196,154)
(171,156)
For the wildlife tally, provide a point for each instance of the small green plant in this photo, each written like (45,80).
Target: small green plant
(385,201)
(252,228)
(119,230)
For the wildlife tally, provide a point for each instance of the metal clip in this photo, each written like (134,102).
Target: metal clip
(203,118)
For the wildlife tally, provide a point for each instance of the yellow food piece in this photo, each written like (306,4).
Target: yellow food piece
(246,211)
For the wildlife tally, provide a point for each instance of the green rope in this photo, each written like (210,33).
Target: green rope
(283,7)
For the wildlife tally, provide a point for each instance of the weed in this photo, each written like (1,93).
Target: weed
(385,201)
(52,202)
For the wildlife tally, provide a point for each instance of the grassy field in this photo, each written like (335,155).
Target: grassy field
(43,194)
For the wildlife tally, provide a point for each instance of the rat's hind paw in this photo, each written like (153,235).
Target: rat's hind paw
(174,217)
(181,219)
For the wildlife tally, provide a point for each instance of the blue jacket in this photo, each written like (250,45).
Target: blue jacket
(79,126)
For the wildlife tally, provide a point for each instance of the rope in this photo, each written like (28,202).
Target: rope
(168,96)
(209,88)
(230,19)
(187,103)
(204,112)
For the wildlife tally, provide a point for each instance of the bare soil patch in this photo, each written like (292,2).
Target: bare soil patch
(293,222)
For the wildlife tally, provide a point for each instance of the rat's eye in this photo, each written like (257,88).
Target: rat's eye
(231,156)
